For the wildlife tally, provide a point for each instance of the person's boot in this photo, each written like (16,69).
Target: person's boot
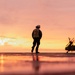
(37,50)
(32,49)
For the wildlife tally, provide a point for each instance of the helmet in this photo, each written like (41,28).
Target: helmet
(38,26)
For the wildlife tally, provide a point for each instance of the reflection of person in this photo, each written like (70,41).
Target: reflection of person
(36,63)
(36,35)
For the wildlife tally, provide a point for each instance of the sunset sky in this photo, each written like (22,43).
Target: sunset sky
(19,17)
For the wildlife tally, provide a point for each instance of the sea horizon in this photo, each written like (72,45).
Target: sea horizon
(40,50)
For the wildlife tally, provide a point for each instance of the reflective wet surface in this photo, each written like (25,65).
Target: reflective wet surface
(37,64)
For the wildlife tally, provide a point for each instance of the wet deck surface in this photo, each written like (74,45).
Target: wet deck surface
(37,64)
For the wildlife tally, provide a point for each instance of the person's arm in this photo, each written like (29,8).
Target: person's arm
(32,34)
(40,34)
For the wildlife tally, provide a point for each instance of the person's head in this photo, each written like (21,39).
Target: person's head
(38,26)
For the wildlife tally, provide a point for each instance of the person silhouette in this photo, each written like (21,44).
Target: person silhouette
(36,35)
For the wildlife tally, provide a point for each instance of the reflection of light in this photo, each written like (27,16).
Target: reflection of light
(2,63)
(52,59)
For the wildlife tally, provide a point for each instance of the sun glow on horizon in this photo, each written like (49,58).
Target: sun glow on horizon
(21,42)
(19,17)
(27,43)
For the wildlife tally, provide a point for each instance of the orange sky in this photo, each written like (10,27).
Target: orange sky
(19,17)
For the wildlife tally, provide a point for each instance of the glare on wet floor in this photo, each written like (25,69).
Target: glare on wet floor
(35,63)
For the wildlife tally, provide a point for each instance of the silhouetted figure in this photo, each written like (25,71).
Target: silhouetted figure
(36,35)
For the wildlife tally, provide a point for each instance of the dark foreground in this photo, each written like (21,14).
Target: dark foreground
(37,64)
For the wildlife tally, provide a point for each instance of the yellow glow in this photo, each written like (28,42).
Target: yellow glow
(53,44)
(20,42)
(3,40)
(27,43)
(2,62)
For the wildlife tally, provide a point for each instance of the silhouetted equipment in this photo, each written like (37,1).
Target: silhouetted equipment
(70,46)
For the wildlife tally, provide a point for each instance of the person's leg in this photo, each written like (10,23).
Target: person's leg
(37,49)
(34,44)
(38,43)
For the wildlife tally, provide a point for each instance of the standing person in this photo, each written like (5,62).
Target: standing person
(36,35)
